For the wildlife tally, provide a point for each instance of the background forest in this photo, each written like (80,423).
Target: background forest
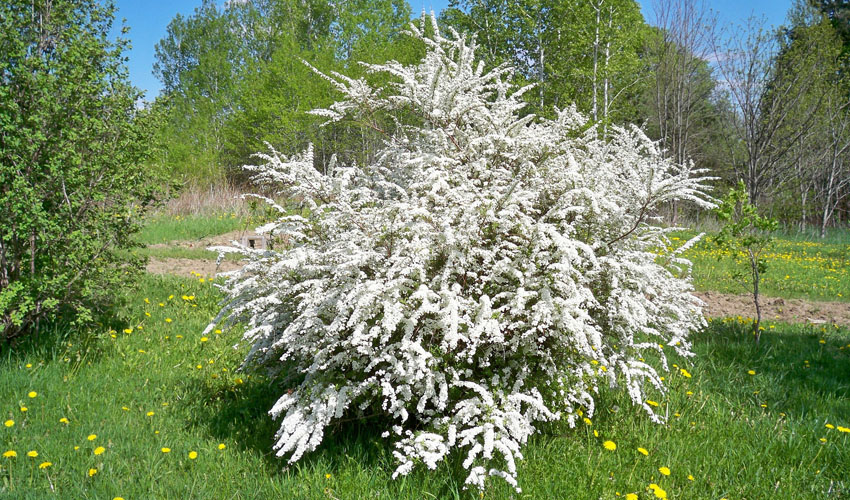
(769,107)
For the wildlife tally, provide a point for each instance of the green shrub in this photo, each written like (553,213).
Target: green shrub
(73,146)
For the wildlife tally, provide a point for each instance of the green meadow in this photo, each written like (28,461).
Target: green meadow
(147,407)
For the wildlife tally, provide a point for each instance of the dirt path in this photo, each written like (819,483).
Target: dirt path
(775,309)
(185,267)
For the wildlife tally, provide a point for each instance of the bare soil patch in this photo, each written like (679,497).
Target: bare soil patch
(185,267)
(721,305)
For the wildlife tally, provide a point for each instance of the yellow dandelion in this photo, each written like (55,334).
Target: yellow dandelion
(92,472)
(32,394)
(166,450)
(92,437)
(64,420)
(118,498)
(643,451)
(9,423)
(830,426)
(664,470)
(751,372)
(125,408)
(631,496)
(193,455)
(843,429)
(689,393)
(327,476)
(822,440)
(685,373)
(29,365)
(690,477)
(10,454)
(221,446)
(168,320)
(99,450)
(651,402)
(659,493)
(610,445)
(595,433)
(204,339)
(24,409)
(44,465)
(150,414)
(587,421)
(128,330)
(32,453)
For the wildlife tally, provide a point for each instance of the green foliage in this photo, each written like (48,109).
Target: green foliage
(745,231)
(234,78)
(73,144)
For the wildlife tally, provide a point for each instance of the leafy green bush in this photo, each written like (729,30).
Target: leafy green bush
(73,143)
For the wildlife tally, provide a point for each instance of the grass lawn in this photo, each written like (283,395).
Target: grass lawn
(147,408)
(814,270)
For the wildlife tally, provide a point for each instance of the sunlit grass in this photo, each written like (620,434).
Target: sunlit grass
(161,385)
(812,270)
(162,229)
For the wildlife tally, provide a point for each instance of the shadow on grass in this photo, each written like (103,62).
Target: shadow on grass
(352,445)
(794,365)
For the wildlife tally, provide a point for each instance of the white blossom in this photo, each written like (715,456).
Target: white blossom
(486,272)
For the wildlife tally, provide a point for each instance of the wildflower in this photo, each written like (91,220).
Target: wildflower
(24,409)
(10,454)
(751,372)
(631,496)
(659,493)
(664,470)
(92,472)
(128,330)
(64,420)
(685,373)
(9,423)
(32,394)
(327,476)
(29,365)
(150,414)
(690,477)
(166,450)
(92,437)
(32,453)
(99,450)
(204,339)
(44,465)
(168,320)
(822,440)
(193,455)
(125,408)
(843,429)
(221,446)
(643,451)
(689,393)
(587,421)
(610,445)
(651,402)
(830,426)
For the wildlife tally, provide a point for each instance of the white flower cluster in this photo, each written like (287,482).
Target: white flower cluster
(486,272)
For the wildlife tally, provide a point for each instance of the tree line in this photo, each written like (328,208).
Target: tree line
(765,106)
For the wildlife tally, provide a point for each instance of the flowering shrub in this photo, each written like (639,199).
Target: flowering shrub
(485,272)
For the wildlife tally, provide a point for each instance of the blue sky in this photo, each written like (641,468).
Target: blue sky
(148,19)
